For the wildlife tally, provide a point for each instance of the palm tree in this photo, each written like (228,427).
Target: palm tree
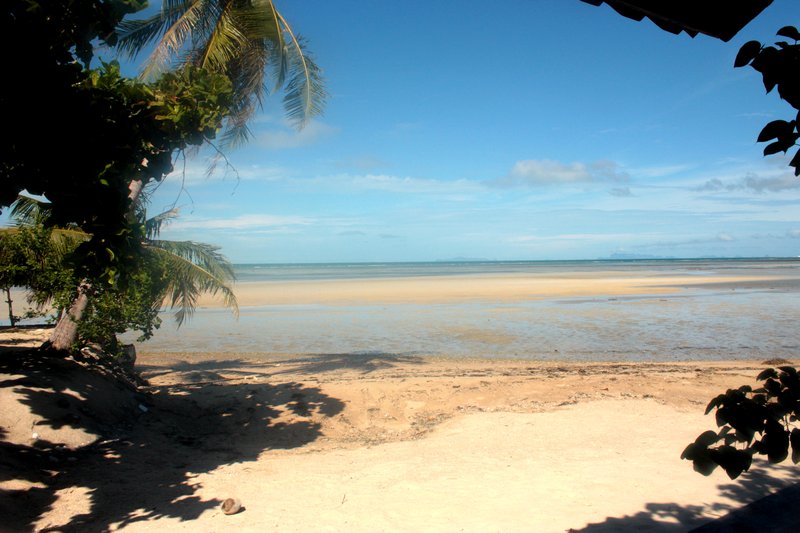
(188,268)
(244,39)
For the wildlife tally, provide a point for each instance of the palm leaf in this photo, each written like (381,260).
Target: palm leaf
(27,211)
(305,91)
(194,268)
(152,226)
(179,24)
(243,39)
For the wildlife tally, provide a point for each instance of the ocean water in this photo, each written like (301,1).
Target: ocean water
(334,271)
(702,322)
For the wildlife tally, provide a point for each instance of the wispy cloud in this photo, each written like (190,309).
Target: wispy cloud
(721,237)
(286,136)
(362,163)
(393,184)
(539,172)
(753,183)
(204,171)
(594,237)
(243,222)
(621,192)
(658,171)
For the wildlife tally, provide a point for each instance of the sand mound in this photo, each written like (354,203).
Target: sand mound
(52,402)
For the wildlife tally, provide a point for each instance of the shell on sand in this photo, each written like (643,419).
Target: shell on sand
(231,506)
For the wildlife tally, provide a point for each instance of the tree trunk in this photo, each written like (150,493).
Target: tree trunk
(66,331)
(11,317)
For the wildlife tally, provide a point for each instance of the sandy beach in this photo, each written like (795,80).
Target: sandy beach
(377,443)
(380,440)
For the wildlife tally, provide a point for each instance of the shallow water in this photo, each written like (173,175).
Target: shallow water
(713,322)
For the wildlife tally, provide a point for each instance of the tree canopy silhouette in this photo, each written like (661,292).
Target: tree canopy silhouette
(779,66)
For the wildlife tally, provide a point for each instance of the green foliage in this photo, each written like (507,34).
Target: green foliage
(36,257)
(12,269)
(80,136)
(130,306)
(246,40)
(753,422)
(163,271)
(779,67)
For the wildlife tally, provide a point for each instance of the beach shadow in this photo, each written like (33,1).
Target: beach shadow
(205,371)
(364,362)
(28,468)
(764,503)
(219,370)
(145,464)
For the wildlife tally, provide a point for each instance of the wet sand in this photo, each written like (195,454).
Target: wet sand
(493,287)
(589,315)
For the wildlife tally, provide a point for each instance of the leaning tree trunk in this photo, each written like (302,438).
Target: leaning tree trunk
(66,331)
(11,317)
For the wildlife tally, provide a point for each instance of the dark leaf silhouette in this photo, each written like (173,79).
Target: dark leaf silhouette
(747,53)
(790,32)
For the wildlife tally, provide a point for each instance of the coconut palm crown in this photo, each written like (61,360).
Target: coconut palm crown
(248,40)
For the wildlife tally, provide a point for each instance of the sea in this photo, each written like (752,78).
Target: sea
(714,321)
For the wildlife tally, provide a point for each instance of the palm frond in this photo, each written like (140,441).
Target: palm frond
(27,211)
(224,42)
(152,226)
(248,40)
(179,24)
(65,240)
(194,268)
(305,93)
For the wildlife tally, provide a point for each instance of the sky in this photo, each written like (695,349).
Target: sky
(510,130)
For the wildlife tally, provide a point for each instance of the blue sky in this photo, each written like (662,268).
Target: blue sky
(516,129)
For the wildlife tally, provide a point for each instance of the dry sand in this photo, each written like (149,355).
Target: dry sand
(380,443)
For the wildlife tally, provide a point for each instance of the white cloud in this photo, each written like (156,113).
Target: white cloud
(362,162)
(594,237)
(621,192)
(202,172)
(243,222)
(721,237)
(288,137)
(396,184)
(537,172)
(533,172)
(659,171)
(754,183)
